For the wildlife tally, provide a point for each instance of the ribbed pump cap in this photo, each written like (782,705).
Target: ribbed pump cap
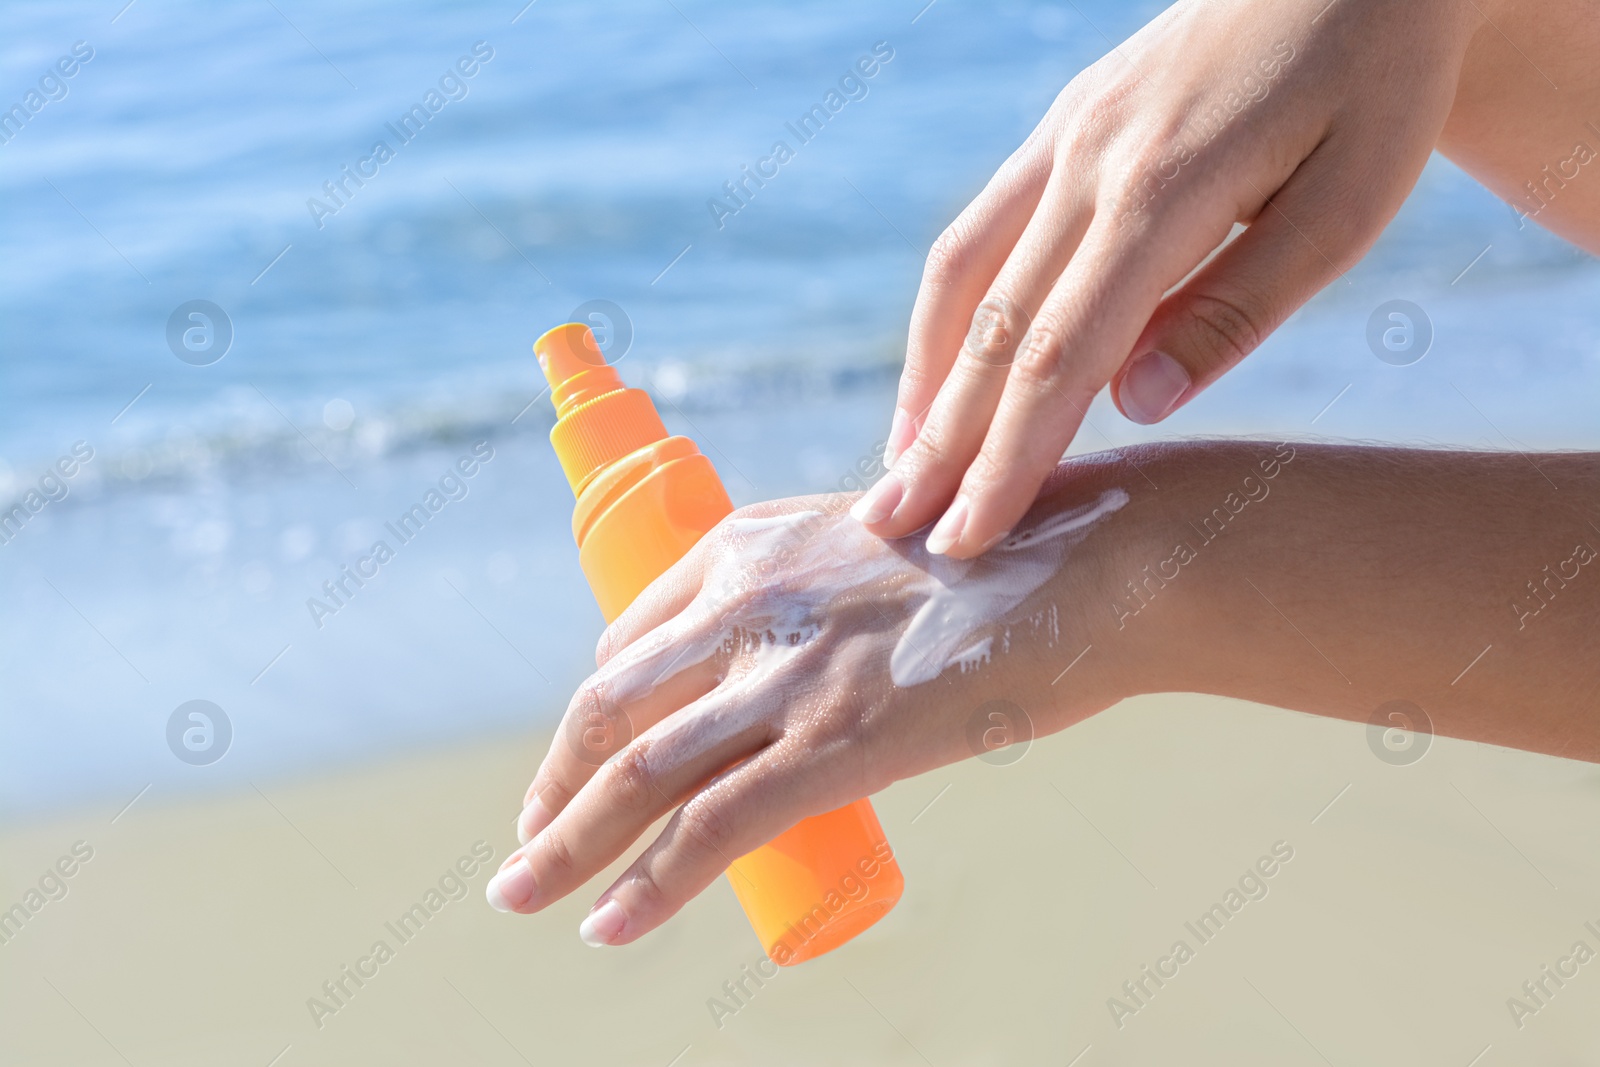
(598,419)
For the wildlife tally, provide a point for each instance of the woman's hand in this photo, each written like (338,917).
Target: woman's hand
(1306,120)
(790,664)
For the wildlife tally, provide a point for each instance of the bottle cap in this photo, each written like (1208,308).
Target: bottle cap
(598,419)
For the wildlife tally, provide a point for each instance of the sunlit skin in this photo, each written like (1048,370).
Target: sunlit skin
(1307,121)
(1323,579)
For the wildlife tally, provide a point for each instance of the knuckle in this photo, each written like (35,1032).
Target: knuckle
(605,648)
(588,696)
(853,740)
(731,534)
(1049,137)
(705,827)
(922,376)
(1038,362)
(1095,105)
(595,726)
(1137,196)
(842,730)
(631,781)
(1152,179)
(949,256)
(998,324)
(554,854)
(648,898)
(1227,330)
(933,449)
(725,534)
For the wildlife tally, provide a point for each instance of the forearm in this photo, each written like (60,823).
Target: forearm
(1333,580)
(1526,118)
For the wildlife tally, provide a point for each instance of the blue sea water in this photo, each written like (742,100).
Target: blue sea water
(374,345)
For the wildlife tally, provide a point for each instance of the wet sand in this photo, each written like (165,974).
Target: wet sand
(1417,900)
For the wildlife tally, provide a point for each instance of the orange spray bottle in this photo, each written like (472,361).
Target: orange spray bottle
(643,499)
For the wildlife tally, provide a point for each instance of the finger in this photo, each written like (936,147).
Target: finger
(647,779)
(662,600)
(733,815)
(1080,335)
(1307,235)
(926,476)
(663,672)
(639,680)
(673,592)
(960,267)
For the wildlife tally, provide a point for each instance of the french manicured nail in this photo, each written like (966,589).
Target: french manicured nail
(901,434)
(603,925)
(879,502)
(512,887)
(534,817)
(947,531)
(1152,387)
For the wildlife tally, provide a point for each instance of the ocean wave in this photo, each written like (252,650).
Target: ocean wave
(262,442)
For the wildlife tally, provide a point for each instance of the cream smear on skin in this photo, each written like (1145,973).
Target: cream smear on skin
(966,596)
(772,592)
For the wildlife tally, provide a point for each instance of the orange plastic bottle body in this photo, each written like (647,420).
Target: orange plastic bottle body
(641,515)
(827,878)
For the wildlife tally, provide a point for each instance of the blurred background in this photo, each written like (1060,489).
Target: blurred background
(267,360)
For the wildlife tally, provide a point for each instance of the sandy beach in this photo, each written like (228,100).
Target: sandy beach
(1414,902)
(244,350)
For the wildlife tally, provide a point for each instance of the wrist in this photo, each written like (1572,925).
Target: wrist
(1193,511)
(1108,642)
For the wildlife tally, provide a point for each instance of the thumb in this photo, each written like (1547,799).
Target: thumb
(1222,313)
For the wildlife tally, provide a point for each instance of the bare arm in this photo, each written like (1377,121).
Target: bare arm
(793,662)
(1467,584)
(1308,121)
(1526,117)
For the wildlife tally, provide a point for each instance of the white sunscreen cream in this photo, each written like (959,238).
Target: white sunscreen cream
(774,590)
(965,596)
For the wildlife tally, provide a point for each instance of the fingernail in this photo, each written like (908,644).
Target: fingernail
(534,817)
(603,925)
(1152,387)
(947,531)
(901,434)
(879,502)
(512,888)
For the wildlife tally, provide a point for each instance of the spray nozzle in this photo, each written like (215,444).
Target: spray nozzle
(598,419)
